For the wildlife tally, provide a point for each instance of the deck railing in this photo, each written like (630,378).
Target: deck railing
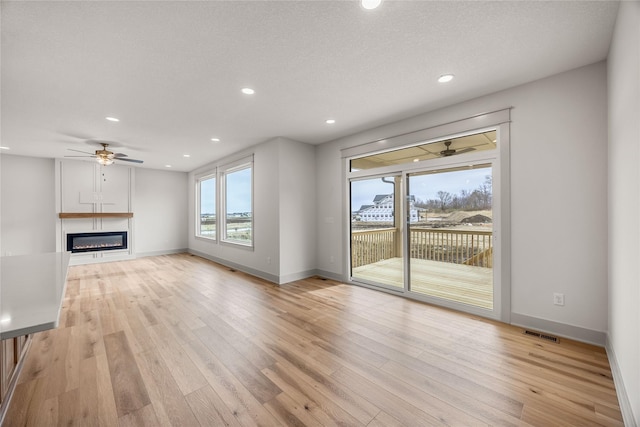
(369,246)
(471,247)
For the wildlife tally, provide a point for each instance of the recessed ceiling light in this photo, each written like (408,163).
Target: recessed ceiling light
(167,166)
(248,91)
(330,121)
(186,155)
(445,78)
(416,160)
(112,119)
(370,4)
(215,139)
(5,148)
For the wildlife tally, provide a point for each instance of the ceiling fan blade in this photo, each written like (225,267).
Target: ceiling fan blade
(119,155)
(465,150)
(129,160)
(86,157)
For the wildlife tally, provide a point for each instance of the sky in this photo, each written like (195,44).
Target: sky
(238,193)
(423,187)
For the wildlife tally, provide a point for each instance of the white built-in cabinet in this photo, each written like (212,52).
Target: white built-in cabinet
(90,188)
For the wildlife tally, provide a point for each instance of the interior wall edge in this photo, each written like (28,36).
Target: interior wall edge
(288,278)
(329,275)
(623,398)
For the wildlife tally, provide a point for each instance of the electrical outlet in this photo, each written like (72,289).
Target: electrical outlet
(332,259)
(268,260)
(558,299)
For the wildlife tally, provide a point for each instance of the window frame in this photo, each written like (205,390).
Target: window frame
(223,173)
(198,188)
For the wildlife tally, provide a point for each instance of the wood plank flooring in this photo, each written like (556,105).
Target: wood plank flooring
(455,282)
(180,341)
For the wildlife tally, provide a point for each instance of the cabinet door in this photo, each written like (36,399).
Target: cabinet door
(115,184)
(79,192)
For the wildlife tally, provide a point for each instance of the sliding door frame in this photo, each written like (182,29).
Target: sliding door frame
(499,158)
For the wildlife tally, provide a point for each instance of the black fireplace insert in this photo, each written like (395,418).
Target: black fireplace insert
(97,241)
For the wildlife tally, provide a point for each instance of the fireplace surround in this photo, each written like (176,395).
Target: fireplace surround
(97,241)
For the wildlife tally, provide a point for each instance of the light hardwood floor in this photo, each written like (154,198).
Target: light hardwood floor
(178,340)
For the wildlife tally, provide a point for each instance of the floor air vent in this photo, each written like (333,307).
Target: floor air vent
(542,336)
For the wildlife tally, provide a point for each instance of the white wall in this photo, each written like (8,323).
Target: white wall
(29,220)
(297,210)
(284,247)
(265,211)
(558,196)
(28,216)
(160,213)
(624,205)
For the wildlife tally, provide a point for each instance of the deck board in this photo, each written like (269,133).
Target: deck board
(455,282)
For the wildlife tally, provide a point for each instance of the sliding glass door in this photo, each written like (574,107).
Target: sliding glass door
(428,221)
(376,231)
(450,236)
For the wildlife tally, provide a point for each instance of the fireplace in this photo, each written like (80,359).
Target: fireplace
(97,241)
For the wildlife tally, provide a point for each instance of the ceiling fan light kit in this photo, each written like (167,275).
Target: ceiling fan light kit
(106,157)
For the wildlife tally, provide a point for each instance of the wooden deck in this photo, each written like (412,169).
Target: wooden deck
(456,282)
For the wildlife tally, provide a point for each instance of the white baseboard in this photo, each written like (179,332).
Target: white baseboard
(261,274)
(158,253)
(329,275)
(623,399)
(567,331)
(297,276)
(278,280)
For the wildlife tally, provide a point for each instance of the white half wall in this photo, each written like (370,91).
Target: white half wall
(558,195)
(624,208)
(28,215)
(160,211)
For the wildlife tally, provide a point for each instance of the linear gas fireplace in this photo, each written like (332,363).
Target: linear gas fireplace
(97,241)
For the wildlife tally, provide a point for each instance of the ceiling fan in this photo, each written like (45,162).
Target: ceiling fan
(448,151)
(106,157)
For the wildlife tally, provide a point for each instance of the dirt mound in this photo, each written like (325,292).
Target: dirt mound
(461,216)
(476,219)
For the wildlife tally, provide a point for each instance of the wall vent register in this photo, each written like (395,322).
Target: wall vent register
(96,241)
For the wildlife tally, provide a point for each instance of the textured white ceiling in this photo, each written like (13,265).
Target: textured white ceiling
(172,71)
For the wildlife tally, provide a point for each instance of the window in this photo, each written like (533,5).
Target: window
(237,221)
(206,216)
